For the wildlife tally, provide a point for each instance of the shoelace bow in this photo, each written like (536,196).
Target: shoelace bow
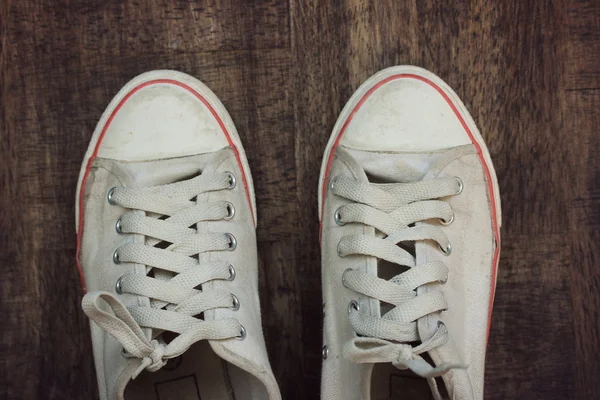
(396,212)
(175,299)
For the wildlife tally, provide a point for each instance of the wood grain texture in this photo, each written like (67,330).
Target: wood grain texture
(529,72)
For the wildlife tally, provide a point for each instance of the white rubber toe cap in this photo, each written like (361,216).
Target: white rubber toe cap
(162,114)
(404,115)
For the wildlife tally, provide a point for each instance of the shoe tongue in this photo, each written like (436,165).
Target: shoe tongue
(394,167)
(167,171)
(403,168)
(375,167)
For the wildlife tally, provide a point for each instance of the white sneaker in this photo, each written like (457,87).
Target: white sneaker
(167,248)
(410,219)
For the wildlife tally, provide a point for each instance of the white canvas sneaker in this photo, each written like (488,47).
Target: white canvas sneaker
(410,219)
(167,248)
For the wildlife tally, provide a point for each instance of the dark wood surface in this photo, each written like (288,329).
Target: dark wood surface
(529,72)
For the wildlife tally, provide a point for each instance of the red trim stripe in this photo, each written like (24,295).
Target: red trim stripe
(103,133)
(488,174)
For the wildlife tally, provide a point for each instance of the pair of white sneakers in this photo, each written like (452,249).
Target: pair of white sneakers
(410,218)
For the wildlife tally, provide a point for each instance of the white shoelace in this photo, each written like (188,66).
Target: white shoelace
(176,299)
(397,212)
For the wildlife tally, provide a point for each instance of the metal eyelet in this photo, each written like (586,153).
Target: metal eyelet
(232,242)
(116,258)
(332,182)
(236,303)
(338,218)
(243,333)
(344,276)
(230,211)
(118,287)
(460,185)
(353,305)
(325,352)
(446,223)
(109,196)
(118,227)
(231,273)
(338,251)
(232,180)
(446,250)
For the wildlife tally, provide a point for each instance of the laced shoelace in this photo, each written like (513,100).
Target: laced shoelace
(398,212)
(166,215)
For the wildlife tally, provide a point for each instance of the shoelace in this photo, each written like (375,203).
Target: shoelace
(397,212)
(177,273)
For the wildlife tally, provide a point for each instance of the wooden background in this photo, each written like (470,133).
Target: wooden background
(528,70)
